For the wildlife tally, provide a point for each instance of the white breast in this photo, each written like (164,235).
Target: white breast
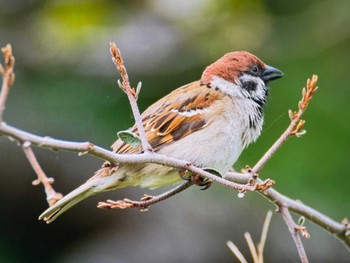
(246,111)
(220,143)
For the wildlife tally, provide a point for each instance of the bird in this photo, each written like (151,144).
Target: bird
(208,123)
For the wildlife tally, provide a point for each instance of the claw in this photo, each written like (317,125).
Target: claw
(206,185)
(184,175)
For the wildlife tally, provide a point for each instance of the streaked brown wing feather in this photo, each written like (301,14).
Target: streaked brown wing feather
(173,117)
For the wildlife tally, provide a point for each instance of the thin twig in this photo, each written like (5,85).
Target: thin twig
(146,200)
(294,127)
(131,93)
(337,229)
(251,246)
(261,244)
(235,250)
(51,195)
(8,77)
(258,251)
(293,231)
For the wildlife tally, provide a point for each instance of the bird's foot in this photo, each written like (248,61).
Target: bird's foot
(204,183)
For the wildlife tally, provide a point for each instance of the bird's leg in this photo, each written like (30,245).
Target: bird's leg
(204,183)
(185,174)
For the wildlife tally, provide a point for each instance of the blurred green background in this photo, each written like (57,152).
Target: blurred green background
(66,88)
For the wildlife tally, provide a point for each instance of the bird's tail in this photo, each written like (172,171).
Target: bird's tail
(71,199)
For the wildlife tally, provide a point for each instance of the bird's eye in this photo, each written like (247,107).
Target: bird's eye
(254,70)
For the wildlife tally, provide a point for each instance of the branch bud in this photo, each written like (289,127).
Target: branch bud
(138,89)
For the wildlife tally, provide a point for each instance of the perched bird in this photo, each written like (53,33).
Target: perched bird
(207,122)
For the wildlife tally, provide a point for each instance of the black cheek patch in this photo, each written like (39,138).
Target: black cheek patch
(249,85)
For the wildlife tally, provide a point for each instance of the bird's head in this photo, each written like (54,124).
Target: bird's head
(241,74)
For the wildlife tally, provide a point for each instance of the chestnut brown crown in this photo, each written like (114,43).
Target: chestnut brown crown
(233,64)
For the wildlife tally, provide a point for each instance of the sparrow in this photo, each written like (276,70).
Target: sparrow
(207,122)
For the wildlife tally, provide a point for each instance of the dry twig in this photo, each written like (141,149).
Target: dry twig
(339,230)
(235,250)
(145,201)
(51,195)
(257,252)
(131,93)
(261,244)
(8,77)
(294,229)
(8,80)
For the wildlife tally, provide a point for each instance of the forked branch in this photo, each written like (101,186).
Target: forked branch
(294,230)
(51,195)
(8,79)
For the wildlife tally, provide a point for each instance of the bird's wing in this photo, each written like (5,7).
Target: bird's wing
(173,117)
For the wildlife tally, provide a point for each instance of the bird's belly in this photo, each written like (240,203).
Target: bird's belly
(210,147)
(219,150)
(213,147)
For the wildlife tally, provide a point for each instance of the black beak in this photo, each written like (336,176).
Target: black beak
(271,73)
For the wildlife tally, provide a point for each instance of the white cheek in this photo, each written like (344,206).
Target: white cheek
(226,87)
(236,91)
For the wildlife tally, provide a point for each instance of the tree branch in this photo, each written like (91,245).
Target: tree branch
(51,195)
(240,182)
(294,232)
(339,230)
(131,93)
(146,200)
(91,149)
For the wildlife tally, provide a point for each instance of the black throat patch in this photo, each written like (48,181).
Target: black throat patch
(249,85)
